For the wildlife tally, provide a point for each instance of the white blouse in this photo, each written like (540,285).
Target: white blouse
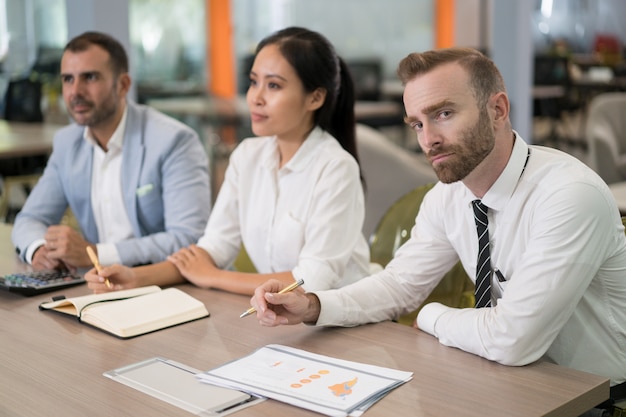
(305,217)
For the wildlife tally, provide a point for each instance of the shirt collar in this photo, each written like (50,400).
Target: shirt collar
(501,191)
(117,139)
(303,155)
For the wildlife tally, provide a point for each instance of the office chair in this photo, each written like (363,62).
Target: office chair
(243,73)
(389,171)
(23,101)
(242,262)
(27,182)
(394,229)
(18,173)
(606,136)
(367,76)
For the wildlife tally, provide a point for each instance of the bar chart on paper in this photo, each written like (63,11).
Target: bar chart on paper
(320,383)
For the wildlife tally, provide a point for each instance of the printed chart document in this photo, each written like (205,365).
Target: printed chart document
(319,383)
(133,312)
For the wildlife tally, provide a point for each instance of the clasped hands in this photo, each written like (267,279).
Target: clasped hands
(64,249)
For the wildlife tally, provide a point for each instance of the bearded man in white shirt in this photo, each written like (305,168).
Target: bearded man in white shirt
(557,244)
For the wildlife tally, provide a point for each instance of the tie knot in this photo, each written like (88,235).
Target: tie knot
(479,208)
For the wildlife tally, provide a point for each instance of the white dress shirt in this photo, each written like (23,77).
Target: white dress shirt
(305,217)
(557,237)
(107,198)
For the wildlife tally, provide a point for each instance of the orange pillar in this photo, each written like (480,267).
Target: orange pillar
(444,23)
(219,41)
(220,60)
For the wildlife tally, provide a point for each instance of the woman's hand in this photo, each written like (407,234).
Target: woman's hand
(195,264)
(119,277)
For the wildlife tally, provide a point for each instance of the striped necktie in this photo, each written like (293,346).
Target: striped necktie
(482,292)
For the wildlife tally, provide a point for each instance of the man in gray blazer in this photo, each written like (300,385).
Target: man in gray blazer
(135,179)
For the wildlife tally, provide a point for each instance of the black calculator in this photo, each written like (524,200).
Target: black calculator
(38,282)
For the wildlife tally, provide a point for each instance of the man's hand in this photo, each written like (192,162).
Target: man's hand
(120,277)
(66,245)
(293,307)
(42,261)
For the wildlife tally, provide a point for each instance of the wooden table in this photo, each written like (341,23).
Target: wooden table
(53,365)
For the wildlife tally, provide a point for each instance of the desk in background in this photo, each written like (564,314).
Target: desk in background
(24,151)
(26,139)
(393,89)
(225,111)
(209,109)
(53,365)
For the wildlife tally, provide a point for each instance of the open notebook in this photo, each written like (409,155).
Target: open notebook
(133,312)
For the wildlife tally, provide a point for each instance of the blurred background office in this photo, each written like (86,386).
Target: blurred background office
(556,56)
(168,41)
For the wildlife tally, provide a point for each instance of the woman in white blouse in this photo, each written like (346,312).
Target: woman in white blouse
(293,195)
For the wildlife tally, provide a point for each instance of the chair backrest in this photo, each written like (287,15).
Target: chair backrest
(389,172)
(367,75)
(395,226)
(606,136)
(23,101)
(243,263)
(551,70)
(394,229)
(243,73)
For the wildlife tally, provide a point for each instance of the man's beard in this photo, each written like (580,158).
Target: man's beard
(475,144)
(100,113)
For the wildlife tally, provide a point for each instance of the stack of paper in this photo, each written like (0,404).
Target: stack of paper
(320,383)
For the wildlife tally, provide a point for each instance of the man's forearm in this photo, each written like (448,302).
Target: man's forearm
(313,312)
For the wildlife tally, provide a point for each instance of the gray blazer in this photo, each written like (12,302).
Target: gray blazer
(165,182)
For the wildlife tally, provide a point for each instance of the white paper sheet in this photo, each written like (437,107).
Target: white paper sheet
(320,383)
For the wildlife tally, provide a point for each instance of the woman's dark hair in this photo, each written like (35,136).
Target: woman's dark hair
(317,64)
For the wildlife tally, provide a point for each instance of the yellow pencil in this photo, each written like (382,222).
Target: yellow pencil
(96,263)
(291,287)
